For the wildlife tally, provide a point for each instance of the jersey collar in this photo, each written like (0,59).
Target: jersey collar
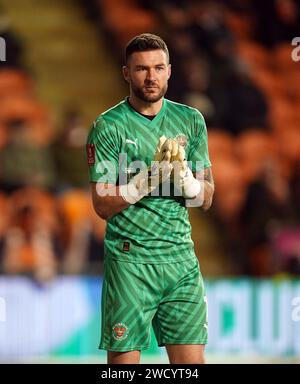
(144,119)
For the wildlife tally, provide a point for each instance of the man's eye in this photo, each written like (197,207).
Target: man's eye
(159,68)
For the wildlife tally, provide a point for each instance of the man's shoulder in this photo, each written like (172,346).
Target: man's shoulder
(105,123)
(184,109)
(112,114)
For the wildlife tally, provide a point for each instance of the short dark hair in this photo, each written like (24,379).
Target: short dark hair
(145,42)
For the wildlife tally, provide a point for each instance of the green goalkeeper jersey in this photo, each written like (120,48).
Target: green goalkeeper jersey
(121,143)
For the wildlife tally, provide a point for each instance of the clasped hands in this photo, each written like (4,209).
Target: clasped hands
(169,162)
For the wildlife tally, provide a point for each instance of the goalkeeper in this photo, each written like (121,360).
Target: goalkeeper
(148,160)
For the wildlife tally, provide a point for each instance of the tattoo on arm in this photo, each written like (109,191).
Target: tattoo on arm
(208,189)
(206,178)
(208,175)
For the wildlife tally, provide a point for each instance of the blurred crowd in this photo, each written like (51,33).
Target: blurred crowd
(231,60)
(47,224)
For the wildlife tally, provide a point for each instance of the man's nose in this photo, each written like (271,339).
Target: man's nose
(151,74)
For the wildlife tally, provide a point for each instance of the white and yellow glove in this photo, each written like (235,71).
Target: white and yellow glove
(149,179)
(182,175)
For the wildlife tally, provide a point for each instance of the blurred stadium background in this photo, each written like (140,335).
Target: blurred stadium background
(233,61)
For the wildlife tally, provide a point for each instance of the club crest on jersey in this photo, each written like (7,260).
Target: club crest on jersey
(181,140)
(120,331)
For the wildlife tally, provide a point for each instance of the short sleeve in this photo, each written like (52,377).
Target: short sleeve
(102,150)
(198,155)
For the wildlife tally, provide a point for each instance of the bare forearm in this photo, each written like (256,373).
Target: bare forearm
(208,195)
(208,188)
(106,201)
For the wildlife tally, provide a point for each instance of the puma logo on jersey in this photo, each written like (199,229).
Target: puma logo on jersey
(128,141)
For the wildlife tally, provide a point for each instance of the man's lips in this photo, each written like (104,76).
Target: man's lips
(151,87)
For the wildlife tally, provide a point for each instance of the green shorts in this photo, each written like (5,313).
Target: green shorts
(171,297)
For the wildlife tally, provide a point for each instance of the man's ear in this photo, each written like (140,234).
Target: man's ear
(125,71)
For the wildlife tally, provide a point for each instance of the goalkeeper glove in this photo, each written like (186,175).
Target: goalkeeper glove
(149,179)
(182,175)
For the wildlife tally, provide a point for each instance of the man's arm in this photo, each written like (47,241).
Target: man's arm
(209,188)
(107,201)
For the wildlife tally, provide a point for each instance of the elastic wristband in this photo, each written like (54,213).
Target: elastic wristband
(192,189)
(129,193)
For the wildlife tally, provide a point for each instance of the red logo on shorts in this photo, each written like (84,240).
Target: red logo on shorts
(120,331)
(90,149)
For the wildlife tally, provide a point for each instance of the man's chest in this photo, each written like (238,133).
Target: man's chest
(139,142)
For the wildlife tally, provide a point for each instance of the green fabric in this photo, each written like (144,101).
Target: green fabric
(156,228)
(171,297)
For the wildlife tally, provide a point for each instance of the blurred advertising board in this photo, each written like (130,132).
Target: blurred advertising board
(62,317)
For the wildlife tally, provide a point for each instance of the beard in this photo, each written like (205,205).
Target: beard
(149,97)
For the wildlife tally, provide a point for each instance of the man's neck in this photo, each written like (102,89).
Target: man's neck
(145,108)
